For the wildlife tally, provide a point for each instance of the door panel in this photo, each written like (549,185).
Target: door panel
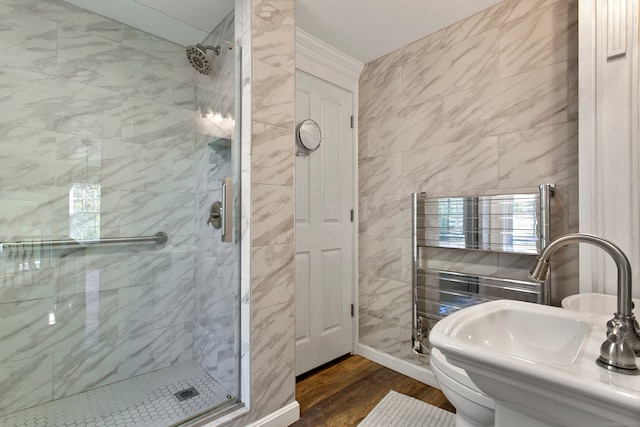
(303,285)
(324,231)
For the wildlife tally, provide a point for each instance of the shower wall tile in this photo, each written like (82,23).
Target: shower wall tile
(388,299)
(273,92)
(390,216)
(492,18)
(383,336)
(540,38)
(31,99)
(363,137)
(572,96)
(418,126)
(22,143)
(447,71)
(28,172)
(539,155)
(384,257)
(145,308)
(273,33)
(78,151)
(30,211)
(407,260)
(143,213)
(86,368)
(379,91)
(68,14)
(33,284)
(29,382)
(378,176)
(272,336)
(163,125)
(42,327)
(533,99)
(460,166)
(225,30)
(490,105)
(272,388)
(272,215)
(273,157)
(515,266)
(218,355)
(29,41)
(272,275)
(412,52)
(152,45)
(182,343)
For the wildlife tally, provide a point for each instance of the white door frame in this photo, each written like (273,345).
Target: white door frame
(320,60)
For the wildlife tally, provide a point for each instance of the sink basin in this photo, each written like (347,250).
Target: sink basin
(594,303)
(538,363)
(548,338)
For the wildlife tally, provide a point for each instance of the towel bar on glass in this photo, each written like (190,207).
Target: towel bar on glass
(159,239)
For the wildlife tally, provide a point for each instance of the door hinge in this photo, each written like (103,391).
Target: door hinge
(353,310)
(351,122)
(351,215)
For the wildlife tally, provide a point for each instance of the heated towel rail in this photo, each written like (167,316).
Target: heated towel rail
(505,223)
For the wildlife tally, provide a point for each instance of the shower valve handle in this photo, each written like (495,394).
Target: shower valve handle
(215,215)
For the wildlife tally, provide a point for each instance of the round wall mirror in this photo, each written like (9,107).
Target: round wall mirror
(308,136)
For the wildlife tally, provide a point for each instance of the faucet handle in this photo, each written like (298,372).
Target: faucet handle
(616,352)
(616,331)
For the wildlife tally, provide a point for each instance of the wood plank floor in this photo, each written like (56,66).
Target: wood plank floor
(342,393)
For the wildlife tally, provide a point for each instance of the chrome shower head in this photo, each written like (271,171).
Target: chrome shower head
(199,59)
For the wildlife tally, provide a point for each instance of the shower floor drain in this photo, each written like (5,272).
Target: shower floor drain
(147,400)
(187,393)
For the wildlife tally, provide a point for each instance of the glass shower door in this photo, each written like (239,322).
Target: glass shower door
(118,302)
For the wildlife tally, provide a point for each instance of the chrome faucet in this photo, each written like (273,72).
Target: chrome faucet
(618,352)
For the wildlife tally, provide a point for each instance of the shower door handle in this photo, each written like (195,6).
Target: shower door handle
(226,218)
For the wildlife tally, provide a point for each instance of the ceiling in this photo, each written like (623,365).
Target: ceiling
(368,29)
(363,29)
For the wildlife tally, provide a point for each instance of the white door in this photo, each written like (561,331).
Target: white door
(324,231)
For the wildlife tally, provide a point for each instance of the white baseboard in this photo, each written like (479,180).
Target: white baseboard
(406,368)
(281,418)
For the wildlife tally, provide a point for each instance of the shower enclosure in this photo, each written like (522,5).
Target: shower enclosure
(119,301)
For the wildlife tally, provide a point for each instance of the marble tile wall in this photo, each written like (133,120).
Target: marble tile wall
(487,105)
(86,100)
(272,347)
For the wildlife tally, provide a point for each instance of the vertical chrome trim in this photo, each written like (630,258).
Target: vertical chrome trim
(225,217)
(414,267)
(547,191)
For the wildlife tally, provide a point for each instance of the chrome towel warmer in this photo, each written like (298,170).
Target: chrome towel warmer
(506,223)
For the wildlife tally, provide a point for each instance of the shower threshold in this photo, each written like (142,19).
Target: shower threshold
(147,400)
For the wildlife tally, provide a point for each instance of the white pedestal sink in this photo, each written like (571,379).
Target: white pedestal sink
(538,363)
(594,303)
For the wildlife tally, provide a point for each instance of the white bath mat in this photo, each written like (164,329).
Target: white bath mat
(398,410)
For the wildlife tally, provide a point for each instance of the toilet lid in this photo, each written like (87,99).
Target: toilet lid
(454,372)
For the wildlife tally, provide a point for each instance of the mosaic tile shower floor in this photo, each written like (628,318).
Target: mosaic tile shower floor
(144,401)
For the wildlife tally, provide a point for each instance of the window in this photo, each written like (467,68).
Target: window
(84,211)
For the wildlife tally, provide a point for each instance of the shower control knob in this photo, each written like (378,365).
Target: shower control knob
(215,215)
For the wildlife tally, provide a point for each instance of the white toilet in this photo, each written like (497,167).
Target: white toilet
(473,407)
